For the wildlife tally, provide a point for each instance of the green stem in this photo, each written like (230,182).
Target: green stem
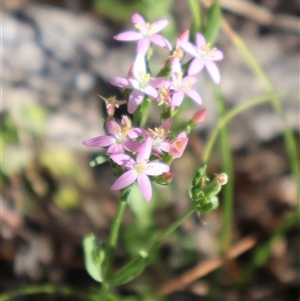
(164,234)
(227,204)
(289,139)
(231,114)
(171,229)
(45,289)
(112,242)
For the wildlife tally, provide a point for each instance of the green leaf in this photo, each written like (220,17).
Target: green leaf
(99,160)
(130,271)
(195,9)
(94,256)
(213,25)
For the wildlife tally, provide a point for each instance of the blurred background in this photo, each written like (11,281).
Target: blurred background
(57,56)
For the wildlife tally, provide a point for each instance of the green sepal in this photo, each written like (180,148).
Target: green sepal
(211,189)
(165,70)
(129,272)
(205,205)
(99,160)
(94,255)
(203,192)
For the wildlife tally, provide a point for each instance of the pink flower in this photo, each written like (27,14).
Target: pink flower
(160,141)
(139,170)
(120,137)
(177,53)
(146,34)
(204,56)
(178,145)
(111,104)
(140,82)
(183,86)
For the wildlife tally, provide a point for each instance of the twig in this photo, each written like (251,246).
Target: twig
(206,267)
(260,14)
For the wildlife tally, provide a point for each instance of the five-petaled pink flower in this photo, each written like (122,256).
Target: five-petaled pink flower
(139,81)
(160,141)
(204,56)
(120,138)
(183,86)
(139,170)
(147,33)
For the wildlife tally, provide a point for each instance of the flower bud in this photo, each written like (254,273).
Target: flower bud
(178,145)
(199,116)
(221,179)
(164,179)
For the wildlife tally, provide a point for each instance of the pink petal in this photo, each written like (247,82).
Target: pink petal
(160,41)
(124,180)
(136,132)
(151,91)
(123,160)
(159,25)
(189,80)
(115,149)
(113,128)
(135,98)
(128,36)
(213,71)
(121,82)
(216,55)
(156,168)
(178,145)
(165,146)
(194,95)
(176,78)
(159,82)
(196,66)
(139,65)
(138,19)
(166,125)
(176,67)
(145,186)
(145,151)
(189,48)
(101,141)
(177,99)
(142,46)
(184,36)
(132,146)
(200,40)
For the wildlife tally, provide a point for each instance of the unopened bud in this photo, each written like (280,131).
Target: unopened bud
(167,176)
(199,116)
(164,179)
(221,179)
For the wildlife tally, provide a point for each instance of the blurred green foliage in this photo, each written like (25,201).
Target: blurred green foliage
(152,10)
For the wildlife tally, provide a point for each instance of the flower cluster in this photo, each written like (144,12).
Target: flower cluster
(145,155)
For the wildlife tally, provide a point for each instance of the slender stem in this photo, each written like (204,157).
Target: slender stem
(289,139)
(164,234)
(230,114)
(45,289)
(227,204)
(171,228)
(112,242)
(114,233)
